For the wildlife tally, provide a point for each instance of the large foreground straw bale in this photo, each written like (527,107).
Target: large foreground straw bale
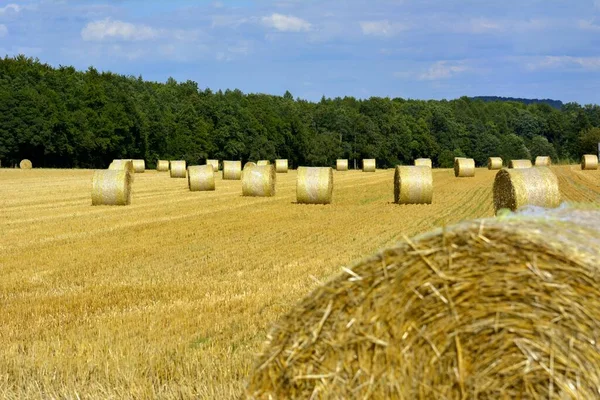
(515,188)
(111,187)
(314,185)
(258,180)
(139,166)
(214,163)
(281,166)
(25,164)
(368,165)
(589,162)
(341,165)
(263,162)
(178,169)
(232,170)
(490,309)
(464,167)
(413,185)
(423,162)
(519,164)
(543,161)
(126,165)
(494,163)
(201,177)
(162,165)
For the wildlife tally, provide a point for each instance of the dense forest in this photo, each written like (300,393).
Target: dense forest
(552,103)
(61,117)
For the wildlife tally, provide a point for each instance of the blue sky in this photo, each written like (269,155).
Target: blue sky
(423,49)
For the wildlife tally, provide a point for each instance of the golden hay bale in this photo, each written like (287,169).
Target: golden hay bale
(314,185)
(139,166)
(589,161)
(232,170)
(162,165)
(178,169)
(519,164)
(543,161)
(368,165)
(500,308)
(201,177)
(464,167)
(214,163)
(281,166)
(112,187)
(126,165)
(249,164)
(341,165)
(494,163)
(258,180)
(515,188)
(413,185)
(25,164)
(263,162)
(423,162)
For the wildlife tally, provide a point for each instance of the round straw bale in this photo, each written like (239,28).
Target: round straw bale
(126,165)
(162,165)
(501,308)
(249,164)
(515,188)
(232,170)
(341,165)
(314,185)
(263,162)
(281,166)
(258,180)
(178,169)
(423,162)
(543,161)
(494,163)
(368,165)
(413,185)
(201,177)
(112,187)
(139,166)
(25,164)
(464,167)
(519,164)
(214,163)
(589,161)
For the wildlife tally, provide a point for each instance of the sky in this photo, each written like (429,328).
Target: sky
(419,49)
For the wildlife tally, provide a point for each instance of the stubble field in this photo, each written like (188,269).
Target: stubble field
(172,296)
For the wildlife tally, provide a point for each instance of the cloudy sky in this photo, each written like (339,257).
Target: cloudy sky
(424,49)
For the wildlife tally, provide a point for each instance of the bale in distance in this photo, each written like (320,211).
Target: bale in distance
(589,162)
(368,165)
(249,164)
(214,163)
(516,188)
(178,169)
(413,185)
(543,161)
(464,167)
(126,165)
(232,170)
(25,164)
(258,181)
(201,177)
(423,162)
(341,164)
(162,165)
(281,166)
(500,308)
(111,187)
(314,185)
(519,164)
(139,166)
(263,162)
(494,163)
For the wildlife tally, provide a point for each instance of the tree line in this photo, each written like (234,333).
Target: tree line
(61,117)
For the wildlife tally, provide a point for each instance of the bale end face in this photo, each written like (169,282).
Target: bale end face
(413,185)
(25,164)
(314,185)
(111,187)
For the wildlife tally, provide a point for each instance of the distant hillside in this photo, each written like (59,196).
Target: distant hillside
(552,103)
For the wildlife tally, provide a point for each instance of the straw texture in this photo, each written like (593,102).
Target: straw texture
(341,165)
(214,163)
(491,309)
(162,165)
(423,162)
(178,169)
(543,161)
(232,170)
(464,167)
(519,164)
(314,185)
(263,162)
(368,165)
(589,162)
(126,165)
(111,187)
(515,188)
(258,180)
(201,177)
(413,185)
(139,166)
(494,163)
(25,164)
(281,166)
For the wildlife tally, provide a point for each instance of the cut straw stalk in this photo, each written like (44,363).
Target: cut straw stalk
(368,165)
(263,162)
(281,166)
(464,167)
(487,309)
(314,185)
(423,162)
(201,177)
(139,166)
(341,164)
(214,163)
(543,161)
(258,180)
(516,188)
(413,185)
(589,162)
(25,164)
(178,169)
(111,187)
(162,166)
(232,170)
(494,163)
(519,164)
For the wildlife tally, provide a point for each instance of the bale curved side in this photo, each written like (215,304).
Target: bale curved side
(281,166)
(263,162)
(341,164)
(464,167)
(126,165)
(543,161)
(368,165)
(519,164)
(178,169)
(314,185)
(214,163)
(413,185)
(111,187)
(258,181)
(516,188)
(589,162)
(25,164)
(201,178)
(232,170)
(488,309)
(139,166)
(162,165)
(423,162)
(494,163)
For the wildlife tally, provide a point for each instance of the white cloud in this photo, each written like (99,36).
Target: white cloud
(3,30)
(443,70)
(382,28)
(109,29)
(14,8)
(286,23)
(550,62)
